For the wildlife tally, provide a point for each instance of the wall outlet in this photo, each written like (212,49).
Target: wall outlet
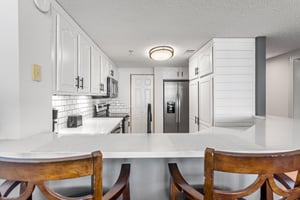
(36,72)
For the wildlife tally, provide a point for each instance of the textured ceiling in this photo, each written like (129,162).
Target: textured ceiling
(121,25)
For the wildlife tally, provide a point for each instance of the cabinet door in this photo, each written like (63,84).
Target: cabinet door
(95,71)
(184,73)
(113,71)
(205,61)
(66,57)
(193,108)
(84,68)
(175,73)
(104,75)
(206,101)
(193,67)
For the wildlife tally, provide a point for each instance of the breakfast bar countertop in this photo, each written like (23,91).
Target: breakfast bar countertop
(93,126)
(267,135)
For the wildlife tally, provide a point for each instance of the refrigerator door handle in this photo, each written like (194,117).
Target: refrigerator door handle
(179,107)
(149,118)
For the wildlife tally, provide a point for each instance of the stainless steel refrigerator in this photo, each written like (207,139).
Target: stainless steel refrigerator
(176,106)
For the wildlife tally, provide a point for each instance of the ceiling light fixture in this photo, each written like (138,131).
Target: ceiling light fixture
(161,53)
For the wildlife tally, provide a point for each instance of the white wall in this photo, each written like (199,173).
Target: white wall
(278,84)
(25,105)
(9,70)
(35,48)
(124,81)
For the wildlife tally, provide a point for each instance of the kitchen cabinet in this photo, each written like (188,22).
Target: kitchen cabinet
(113,71)
(205,101)
(99,72)
(205,60)
(193,105)
(174,73)
(226,78)
(104,71)
(193,66)
(200,64)
(66,71)
(81,67)
(73,59)
(95,71)
(84,67)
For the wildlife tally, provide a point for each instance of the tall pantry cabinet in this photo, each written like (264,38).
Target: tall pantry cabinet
(222,83)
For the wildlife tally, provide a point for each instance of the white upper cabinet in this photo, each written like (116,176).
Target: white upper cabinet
(84,68)
(175,73)
(104,74)
(113,71)
(95,71)
(66,71)
(81,67)
(205,60)
(193,66)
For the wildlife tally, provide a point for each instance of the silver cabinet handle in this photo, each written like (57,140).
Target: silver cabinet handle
(177,74)
(181,74)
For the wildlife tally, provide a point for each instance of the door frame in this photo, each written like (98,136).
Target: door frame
(153,96)
(291,87)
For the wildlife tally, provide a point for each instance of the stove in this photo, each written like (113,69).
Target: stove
(102,110)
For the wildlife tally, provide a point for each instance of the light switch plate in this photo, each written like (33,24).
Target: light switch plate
(36,72)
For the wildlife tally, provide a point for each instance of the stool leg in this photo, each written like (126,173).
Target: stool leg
(126,193)
(173,192)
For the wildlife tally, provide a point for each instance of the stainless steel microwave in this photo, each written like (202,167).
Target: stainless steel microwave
(112,87)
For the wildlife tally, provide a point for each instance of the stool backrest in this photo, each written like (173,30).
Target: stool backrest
(265,165)
(35,172)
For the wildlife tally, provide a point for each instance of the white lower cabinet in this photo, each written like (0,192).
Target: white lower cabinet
(193,105)
(206,101)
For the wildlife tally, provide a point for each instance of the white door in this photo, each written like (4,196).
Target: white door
(296,88)
(141,96)
(66,57)
(193,108)
(84,69)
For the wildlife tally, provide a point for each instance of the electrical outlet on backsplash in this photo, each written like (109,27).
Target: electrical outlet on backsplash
(82,105)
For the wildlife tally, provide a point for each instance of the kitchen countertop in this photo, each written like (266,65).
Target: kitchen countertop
(272,134)
(93,126)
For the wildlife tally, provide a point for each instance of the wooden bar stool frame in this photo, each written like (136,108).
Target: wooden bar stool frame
(35,172)
(269,167)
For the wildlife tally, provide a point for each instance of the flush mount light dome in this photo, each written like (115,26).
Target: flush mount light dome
(161,53)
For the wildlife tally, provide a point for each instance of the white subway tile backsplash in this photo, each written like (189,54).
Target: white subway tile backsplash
(82,105)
